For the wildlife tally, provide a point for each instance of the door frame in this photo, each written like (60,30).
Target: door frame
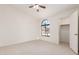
(60,31)
(78,35)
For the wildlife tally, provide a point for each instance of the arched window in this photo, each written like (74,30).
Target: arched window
(45,28)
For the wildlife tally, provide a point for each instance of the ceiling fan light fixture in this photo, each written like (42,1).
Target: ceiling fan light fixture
(36,6)
(37,10)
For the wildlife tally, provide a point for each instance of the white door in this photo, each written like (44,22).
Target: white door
(64,33)
(74,32)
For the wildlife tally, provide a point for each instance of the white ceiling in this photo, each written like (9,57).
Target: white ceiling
(51,9)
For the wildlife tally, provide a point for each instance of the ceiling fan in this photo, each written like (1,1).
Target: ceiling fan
(37,7)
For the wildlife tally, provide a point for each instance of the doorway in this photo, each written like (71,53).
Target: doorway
(64,34)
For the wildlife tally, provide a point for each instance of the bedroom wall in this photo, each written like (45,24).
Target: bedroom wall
(54,30)
(16,26)
(73,31)
(55,22)
(65,21)
(73,21)
(54,26)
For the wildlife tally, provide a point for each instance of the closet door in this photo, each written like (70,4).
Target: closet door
(74,32)
(64,33)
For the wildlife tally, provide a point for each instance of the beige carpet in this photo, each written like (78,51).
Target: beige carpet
(36,47)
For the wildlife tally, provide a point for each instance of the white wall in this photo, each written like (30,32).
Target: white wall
(73,21)
(54,32)
(73,31)
(55,22)
(65,21)
(16,26)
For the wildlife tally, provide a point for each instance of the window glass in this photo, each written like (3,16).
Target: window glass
(45,28)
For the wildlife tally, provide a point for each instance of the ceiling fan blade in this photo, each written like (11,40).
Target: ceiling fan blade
(30,6)
(42,6)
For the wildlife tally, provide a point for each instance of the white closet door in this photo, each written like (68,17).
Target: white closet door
(74,32)
(64,33)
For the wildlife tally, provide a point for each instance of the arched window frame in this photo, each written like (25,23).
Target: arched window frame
(45,26)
